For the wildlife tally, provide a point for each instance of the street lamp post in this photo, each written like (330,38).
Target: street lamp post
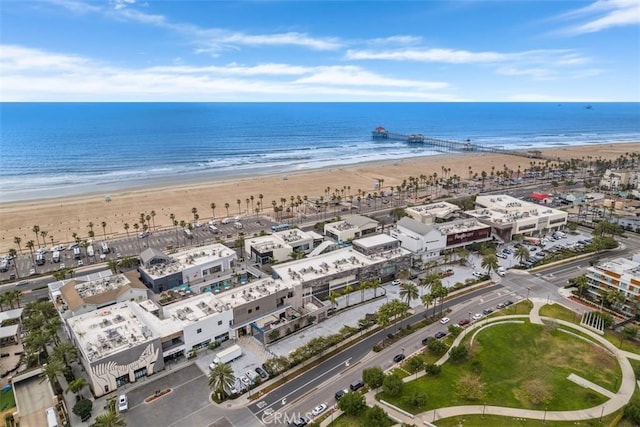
(528,290)
(469,316)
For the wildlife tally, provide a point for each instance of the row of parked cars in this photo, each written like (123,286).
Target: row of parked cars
(463,322)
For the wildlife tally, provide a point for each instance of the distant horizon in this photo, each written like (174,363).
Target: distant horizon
(320,51)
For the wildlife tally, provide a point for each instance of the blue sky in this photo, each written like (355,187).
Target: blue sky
(132,50)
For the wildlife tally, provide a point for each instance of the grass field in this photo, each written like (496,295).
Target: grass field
(513,354)
(7,400)
(496,421)
(349,421)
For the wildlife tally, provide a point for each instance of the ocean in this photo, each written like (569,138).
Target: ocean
(63,149)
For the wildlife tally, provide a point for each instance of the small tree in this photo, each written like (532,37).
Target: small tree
(352,403)
(83,409)
(415,364)
(373,376)
(437,347)
(417,399)
(433,369)
(393,385)
(458,354)
(375,417)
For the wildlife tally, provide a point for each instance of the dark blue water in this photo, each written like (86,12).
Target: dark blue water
(50,149)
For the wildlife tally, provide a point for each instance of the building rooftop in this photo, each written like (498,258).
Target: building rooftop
(251,292)
(375,240)
(107,331)
(266,243)
(185,259)
(460,226)
(75,293)
(440,209)
(341,260)
(621,266)
(293,235)
(507,209)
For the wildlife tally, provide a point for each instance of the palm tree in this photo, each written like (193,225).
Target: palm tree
(194,211)
(333,298)
(375,284)
(126,228)
(408,292)
(489,263)
(152,214)
(109,419)
(17,240)
(261,196)
(581,283)
(221,378)
(76,386)
(347,290)
(427,300)
(251,198)
(66,352)
(30,245)
(36,230)
(239,202)
(363,285)
(213,211)
(522,253)
(104,229)
(226,206)
(52,369)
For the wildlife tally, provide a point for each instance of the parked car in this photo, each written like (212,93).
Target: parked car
(396,282)
(300,422)
(463,322)
(477,316)
(501,255)
(398,358)
(426,340)
(444,320)
(501,305)
(123,403)
(508,303)
(319,409)
(143,234)
(487,311)
(262,373)
(440,334)
(478,274)
(356,385)
(341,393)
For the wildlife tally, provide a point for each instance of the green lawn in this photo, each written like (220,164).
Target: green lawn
(560,312)
(522,307)
(512,354)
(7,400)
(496,421)
(349,421)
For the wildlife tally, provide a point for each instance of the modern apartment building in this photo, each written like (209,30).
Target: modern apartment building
(620,274)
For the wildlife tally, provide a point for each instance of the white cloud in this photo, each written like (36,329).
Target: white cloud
(37,75)
(428,55)
(603,15)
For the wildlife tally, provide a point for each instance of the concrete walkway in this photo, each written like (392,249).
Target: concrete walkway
(617,400)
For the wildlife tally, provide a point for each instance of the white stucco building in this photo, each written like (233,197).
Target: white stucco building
(278,246)
(509,216)
(428,214)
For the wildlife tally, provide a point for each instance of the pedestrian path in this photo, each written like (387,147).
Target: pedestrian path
(616,400)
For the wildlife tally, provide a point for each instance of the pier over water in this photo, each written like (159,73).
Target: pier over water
(447,146)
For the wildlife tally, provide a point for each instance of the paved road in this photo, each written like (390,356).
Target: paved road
(306,382)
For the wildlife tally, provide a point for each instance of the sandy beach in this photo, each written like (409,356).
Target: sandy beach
(60,217)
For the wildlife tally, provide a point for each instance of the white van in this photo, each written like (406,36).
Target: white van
(238,225)
(105,248)
(56,256)
(213,228)
(188,233)
(52,418)
(76,253)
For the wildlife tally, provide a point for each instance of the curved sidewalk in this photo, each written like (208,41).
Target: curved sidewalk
(621,397)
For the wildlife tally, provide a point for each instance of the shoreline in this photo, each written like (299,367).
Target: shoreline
(62,216)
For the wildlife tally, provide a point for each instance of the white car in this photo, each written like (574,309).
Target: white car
(58,248)
(245,380)
(198,224)
(477,316)
(226,221)
(477,274)
(396,282)
(319,409)
(445,320)
(32,272)
(123,403)
(143,234)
